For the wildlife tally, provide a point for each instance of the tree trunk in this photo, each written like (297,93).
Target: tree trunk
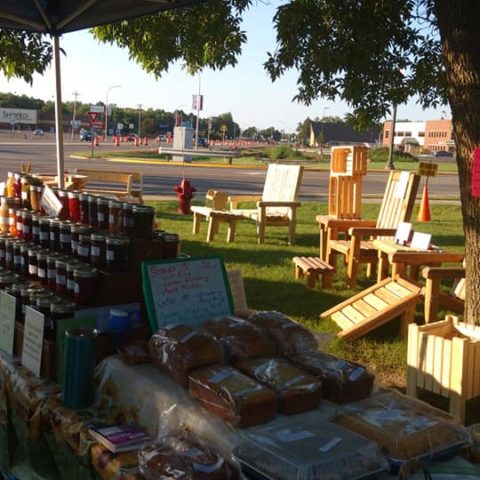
(460,37)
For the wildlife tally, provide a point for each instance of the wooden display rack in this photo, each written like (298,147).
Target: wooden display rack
(347,167)
(444,358)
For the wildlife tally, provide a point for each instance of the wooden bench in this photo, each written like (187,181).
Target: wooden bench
(122,185)
(311,268)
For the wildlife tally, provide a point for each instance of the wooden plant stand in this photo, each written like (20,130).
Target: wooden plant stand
(312,268)
(444,358)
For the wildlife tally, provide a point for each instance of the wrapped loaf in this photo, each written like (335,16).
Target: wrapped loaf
(232,396)
(177,349)
(297,390)
(290,337)
(239,338)
(342,381)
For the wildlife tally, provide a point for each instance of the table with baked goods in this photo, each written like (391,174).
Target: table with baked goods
(406,261)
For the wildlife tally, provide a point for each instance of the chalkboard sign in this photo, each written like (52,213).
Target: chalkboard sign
(187,290)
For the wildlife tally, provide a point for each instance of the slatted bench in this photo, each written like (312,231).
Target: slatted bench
(375,306)
(312,268)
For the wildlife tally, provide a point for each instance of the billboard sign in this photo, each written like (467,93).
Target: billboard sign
(18,115)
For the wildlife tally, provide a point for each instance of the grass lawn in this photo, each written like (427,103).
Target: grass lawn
(270,284)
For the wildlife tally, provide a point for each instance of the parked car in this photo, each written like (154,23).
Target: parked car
(162,139)
(86,136)
(443,153)
(37,132)
(202,142)
(131,137)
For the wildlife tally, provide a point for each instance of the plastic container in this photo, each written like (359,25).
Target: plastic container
(119,324)
(308,447)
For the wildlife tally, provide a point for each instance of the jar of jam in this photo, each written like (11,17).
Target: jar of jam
(92,210)
(66,237)
(12,221)
(42,272)
(170,245)
(16,291)
(44,225)
(27,225)
(116,254)
(32,261)
(35,229)
(60,310)
(85,286)
(7,278)
(83,250)
(84,211)
(35,195)
(143,219)
(24,254)
(17,257)
(51,270)
(9,243)
(55,234)
(97,250)
(102,213)
(19,223)
(63,197)
(29,293)
(61,275)
(76,230)
(3,240)
(74,206)
(127,219)
(114,216)
(70,267)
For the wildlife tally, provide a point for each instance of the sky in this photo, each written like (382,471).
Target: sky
(91,69)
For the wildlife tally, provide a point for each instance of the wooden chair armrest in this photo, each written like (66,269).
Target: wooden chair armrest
(345,224)
(371,232)
(234,200)
(443,273)
(261,203)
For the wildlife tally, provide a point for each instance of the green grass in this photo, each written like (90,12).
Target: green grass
(270,284)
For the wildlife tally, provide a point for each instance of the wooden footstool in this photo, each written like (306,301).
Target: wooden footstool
(311,268)
(214,218)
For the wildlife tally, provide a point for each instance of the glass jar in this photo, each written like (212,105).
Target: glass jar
(35,195)
(85,286)
(116,253)
(51,270)
(114,216)
(97,250)
(102,213)
(66,237)
(61,275)
(16,290)
(27,225)
(24,254)
(17,185)
(19,223)
(84,215)
(12,221)
(63,197)
(70,267)
(42,272)
(3,240)
(127,219)
(60,310)
(76,230)
(29,293)
(17,257)
(83,250)
(44,225)
(55,234)
(170,245)
(25,195)
(9,243)
(74,206)
(32,261)
(143,218)
(92,210)
(7,278)
(35,229)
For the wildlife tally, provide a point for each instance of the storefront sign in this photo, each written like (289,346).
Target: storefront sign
(18,115)
(8,305)
(33,340)
(188,290)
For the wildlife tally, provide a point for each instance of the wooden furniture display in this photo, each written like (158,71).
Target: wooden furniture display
(397,206)
(71,181)
(214,213)
(375,306)
(435,298)
(444,358)
(406,261)
(278,204)
(312,268)
(122,185)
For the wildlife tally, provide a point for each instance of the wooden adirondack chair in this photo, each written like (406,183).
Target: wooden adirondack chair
(278,203)
(397,206)
(435,298)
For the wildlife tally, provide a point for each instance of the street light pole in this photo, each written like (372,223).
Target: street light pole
(75,95)
(323,114)
(106,109)
(390,165)
(198,112)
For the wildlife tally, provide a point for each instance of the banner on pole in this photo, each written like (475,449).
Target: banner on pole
(197,102)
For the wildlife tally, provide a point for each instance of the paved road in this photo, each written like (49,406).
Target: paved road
(160,179)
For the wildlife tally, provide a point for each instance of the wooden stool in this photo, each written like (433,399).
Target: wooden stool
(214,218)
(311,268)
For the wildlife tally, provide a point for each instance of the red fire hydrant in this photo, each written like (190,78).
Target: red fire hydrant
(184,194)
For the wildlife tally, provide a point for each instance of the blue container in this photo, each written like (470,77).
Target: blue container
(78,376)
(119,324)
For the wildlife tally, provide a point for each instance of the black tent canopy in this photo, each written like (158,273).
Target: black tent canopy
(56,17)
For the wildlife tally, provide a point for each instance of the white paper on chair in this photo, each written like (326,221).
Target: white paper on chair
(421,241)
(403,233)
(402,184)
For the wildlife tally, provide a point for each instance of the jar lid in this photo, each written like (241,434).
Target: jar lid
(98,237)
(26,214)
(73,194)
(44,221)
(103,201)
(51,257)
(85,272)
(84,196)
(18,287)
(35,217)
(84,238)
(47,300)
(25,247)
(93,198)
(62,307)
(42,255)
(62,193)
(55,222)
(127,206)
(5,236)
(81,229)
(34,294)
(117,240)
(71,266)
(34,249)
(62,262)
(114,204)
(7,278)
(170,237)
(143,209)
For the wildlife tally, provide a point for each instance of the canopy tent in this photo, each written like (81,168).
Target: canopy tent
(56,17)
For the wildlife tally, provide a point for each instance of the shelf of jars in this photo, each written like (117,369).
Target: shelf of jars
(88,256)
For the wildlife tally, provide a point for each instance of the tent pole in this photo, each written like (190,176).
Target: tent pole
(58,112)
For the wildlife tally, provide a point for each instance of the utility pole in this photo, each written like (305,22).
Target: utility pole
(75,95)
(139,117)
(198,112)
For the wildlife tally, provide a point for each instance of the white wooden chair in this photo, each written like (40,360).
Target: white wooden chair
(278,203)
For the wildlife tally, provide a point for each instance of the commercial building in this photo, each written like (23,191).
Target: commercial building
(420,137)
(339,134)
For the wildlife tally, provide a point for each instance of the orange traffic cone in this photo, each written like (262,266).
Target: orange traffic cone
(424,212)
(136,141)
(117,141)
(145,140)
(97,143)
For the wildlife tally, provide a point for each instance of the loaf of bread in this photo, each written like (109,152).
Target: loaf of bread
(177,349)
(402,426)
(290,337)
(239,338)
(342,381)
(297,390)
(134,352)
(178,459)
(232,396)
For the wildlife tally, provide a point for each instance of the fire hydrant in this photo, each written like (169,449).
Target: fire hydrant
(184,194)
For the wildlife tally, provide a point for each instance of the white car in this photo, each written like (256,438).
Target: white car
(38,132)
